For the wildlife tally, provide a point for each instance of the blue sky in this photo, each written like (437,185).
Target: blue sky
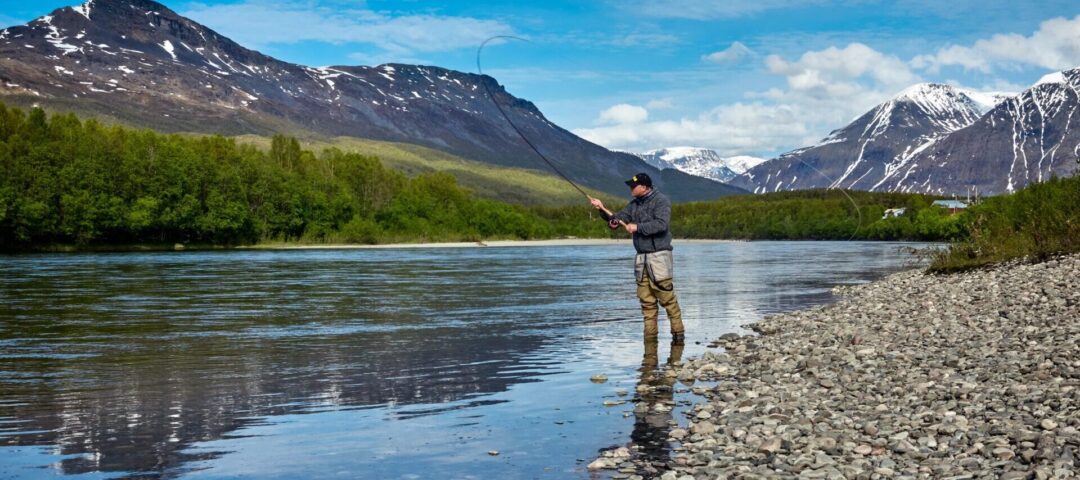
(754,77)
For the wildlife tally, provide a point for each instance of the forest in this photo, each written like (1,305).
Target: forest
(74,184)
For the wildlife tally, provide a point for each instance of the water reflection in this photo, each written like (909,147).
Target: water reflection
(409,362)
(137,411)
(654,403)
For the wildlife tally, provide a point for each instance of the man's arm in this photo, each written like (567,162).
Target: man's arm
(613,219)
(661,219)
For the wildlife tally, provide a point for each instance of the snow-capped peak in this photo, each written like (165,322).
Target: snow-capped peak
(700,161)
(84,9)
(741,163)
(1056,77)
(932,97)
(936,97)
(924,91)
(674,153)
(987,100)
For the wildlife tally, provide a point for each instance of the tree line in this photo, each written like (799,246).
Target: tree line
(72,182)
(1038,222)
(68,182)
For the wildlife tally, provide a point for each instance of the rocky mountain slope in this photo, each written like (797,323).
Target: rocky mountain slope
(137,62)
(701,162)
(1027,138)
(865,154)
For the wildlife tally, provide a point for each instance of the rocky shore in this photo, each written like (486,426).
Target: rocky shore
(966,376)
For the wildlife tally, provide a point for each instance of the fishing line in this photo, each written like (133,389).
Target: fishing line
(511,122)
(842,190)
(551,164)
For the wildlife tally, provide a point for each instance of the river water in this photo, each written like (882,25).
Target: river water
(395,363)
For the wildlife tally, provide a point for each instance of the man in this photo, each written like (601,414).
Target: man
(647,218)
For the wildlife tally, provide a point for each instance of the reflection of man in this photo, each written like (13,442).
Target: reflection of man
(647,217)
(652,415)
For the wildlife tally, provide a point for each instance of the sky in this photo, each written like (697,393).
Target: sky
(743,77)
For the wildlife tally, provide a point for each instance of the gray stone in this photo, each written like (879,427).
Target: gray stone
(957,376)
(770,445)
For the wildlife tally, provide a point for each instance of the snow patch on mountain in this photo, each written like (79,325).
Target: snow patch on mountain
(168,47)
(55,38)
(1051,78)
(84,9)
(878,150)
(701,162)
(986,101)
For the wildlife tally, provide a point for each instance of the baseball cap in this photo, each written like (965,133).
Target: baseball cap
(640,179)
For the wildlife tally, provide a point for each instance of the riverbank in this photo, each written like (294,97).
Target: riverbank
(562,242)
(345,246)
(971,375)
(488,243)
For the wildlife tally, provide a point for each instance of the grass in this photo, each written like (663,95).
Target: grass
(512,185)
(1034,224)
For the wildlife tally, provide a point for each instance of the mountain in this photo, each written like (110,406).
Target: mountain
(137,62)
(865,154)
(701,162)
(1027,138)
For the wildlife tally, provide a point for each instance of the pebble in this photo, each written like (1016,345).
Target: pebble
(967,376)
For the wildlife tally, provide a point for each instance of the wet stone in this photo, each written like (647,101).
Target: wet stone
(965,376)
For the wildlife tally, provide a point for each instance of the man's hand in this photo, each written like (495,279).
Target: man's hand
(631,227)
(596,203)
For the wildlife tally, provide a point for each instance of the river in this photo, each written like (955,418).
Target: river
(395,363)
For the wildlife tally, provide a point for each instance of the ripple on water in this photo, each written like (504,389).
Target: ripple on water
(392,362)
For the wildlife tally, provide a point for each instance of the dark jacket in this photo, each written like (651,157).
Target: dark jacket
(652,214)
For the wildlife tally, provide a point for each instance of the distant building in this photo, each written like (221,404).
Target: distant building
(894,212)
(952,205)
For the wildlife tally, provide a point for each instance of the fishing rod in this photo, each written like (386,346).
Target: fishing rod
(551,164)
(521,134)
(511,122)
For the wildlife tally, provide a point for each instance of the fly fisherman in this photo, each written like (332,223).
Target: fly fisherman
(648,217)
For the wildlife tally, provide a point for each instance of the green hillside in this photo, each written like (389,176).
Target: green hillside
(72,184)
(83,184)
(513,185)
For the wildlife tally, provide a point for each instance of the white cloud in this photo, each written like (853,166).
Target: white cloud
(711,9)
(259,24)
(623,114)
(642,39)
(730,129)
(825,89)
(1055,46)
(836,71)
(733,54)
(660,104)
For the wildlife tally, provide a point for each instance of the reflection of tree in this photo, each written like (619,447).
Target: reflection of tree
(124,374)
(655,399)
(136,411)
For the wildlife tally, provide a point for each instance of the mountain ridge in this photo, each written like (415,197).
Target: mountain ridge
(1018,142)
(140,62)
(866,153)
(698,161)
